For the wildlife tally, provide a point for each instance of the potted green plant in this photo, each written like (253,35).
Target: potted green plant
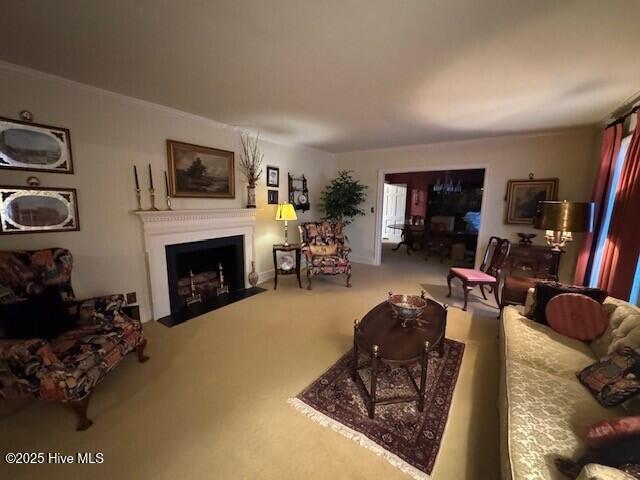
(250,163)
(341,199)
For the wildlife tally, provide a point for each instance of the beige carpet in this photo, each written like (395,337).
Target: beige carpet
(211,402)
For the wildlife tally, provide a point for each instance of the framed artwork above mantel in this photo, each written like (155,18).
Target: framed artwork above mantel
(523,197)
(198,171)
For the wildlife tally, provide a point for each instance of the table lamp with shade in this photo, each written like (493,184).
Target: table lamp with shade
(285,213)
(561,219)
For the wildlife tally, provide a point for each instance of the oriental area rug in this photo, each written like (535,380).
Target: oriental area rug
(405,437)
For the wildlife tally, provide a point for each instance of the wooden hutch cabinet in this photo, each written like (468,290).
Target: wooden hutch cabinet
(537,261)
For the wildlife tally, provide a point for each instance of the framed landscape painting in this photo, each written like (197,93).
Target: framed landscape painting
(197,171)
(34,147)
(36,209)
(523,197)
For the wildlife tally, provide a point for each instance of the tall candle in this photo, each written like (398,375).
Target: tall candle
(150,177)
(135,174)
(166,182)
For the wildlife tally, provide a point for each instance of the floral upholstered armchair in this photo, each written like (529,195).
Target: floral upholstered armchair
(69,367)
(323,245)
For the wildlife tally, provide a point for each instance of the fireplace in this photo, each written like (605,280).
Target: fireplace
(165,228)
(193,270)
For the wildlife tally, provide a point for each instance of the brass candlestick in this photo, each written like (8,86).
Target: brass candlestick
(152,194)
(139,199)
(169,203)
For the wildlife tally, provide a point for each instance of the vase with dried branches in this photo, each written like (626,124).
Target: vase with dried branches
(250,165)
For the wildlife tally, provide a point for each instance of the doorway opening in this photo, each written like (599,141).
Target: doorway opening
(394,211)
(431,214)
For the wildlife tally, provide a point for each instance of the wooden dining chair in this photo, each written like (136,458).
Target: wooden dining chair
(488,274)
(437,242)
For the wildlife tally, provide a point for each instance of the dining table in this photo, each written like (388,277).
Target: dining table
(410,234)
(415,234)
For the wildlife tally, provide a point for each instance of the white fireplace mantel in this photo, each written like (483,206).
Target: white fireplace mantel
(172,227)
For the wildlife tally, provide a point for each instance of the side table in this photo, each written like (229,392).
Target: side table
(279,271)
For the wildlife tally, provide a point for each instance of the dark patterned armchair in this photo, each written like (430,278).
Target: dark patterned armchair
(66,368)
(323,245)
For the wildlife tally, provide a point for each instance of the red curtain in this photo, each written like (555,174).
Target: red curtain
(622,246)
(610,147)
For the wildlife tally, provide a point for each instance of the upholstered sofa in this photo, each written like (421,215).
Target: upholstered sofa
(544,409)
(319,236)
(67,368)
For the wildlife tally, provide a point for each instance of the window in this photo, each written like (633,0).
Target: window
(608,210)
(635,290)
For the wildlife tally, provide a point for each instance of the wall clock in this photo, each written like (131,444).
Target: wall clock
(299,193)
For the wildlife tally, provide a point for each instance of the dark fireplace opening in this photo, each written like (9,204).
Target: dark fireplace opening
(193,271)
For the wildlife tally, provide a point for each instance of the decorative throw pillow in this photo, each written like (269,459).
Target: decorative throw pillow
(546,290)
(614,378)
(632,469)
(324,250)
(576,316)
(623,330)
(40,316)
(607,431)
(622,454)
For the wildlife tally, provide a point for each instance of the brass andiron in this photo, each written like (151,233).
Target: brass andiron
(222,288)
(194,297)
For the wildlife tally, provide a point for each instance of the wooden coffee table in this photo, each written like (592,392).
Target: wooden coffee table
(381,337)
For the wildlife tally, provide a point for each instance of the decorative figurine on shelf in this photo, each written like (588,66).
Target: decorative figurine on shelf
(525,239)
(222,288)
(299,193)
(250,162)
(194,297)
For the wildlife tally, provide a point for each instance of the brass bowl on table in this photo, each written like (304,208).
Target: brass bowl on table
(407,308)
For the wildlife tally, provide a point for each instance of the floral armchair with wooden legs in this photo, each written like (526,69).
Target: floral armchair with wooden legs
(69,367)
(323,245)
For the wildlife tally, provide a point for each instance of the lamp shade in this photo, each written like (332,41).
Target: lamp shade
(286,212)
(564,216)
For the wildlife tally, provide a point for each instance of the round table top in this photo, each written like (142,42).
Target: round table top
(395,342)
(406,226)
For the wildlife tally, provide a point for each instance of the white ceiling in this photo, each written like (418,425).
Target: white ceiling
(343,75)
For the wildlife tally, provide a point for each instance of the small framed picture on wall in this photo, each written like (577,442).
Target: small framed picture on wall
(273,176)
(272,197)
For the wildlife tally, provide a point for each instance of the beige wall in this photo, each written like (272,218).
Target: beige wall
(567,155)
(110,133)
